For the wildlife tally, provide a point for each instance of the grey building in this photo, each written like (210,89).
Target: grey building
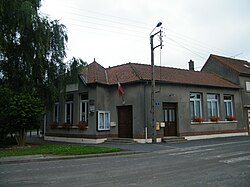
(187,103)
(236,71)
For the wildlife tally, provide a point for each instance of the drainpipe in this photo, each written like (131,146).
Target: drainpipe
(145,114)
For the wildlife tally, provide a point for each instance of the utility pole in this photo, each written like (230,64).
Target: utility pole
(153,78)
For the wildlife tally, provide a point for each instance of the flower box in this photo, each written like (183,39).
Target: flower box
(215,118)
(231,118)
(197,119)
(82,125)
(66,126)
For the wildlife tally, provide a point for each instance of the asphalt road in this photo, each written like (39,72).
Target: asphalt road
(219,162)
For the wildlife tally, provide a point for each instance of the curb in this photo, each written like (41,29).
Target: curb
(42,158)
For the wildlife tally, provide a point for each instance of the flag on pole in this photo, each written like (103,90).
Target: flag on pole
(120,90)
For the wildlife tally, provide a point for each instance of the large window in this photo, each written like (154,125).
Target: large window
(195,105)
(84,107)
(69,109)
(56,112)
(228,104)
(103,120)
(213,105)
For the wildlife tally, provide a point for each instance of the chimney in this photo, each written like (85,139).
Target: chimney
(191,65)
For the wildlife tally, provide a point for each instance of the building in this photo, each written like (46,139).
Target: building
(187,103)
(236,71)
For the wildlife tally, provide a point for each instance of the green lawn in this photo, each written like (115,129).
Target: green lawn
(56,149)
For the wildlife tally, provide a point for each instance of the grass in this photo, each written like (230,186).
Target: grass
(56,149)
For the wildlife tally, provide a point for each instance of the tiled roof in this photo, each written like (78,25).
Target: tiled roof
(241,66)
(132,72)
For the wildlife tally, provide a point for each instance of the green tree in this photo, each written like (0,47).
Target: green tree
(32,52)
(25,114)
(5,129)
(32,49)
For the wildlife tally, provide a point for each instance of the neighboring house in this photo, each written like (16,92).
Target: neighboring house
(236,71)
(187,103)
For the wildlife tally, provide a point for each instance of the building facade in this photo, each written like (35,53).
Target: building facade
(187,103)
(236,71)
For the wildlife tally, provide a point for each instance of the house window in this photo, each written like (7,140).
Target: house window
(69,109)
(103,120)
(84,107)
(228,104)
(195,105)
(248,86)
(56,112)
(213,105)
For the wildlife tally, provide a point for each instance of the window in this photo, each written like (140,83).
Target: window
(248,86)
(169,115)
(69,109)
(195,105)
(56,112)
(103,120)
(228,104)
(84,107)
(213,105)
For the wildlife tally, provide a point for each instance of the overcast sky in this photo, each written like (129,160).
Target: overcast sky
(115,32)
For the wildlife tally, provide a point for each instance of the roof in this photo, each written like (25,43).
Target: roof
(240,66)
(132,72)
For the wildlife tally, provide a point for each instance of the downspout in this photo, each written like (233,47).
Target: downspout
(145,114)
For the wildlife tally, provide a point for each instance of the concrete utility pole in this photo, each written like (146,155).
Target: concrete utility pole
(153,78)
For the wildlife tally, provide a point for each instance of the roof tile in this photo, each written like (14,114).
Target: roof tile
(132,72)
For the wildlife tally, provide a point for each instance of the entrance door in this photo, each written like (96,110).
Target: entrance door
(170,119)
(125,122)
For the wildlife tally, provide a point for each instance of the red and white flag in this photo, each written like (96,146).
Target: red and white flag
(120,90)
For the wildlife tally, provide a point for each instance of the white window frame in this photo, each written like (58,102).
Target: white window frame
(84,115)
(56,112)
(197,102)
(103,124)
(214,103)
(71,111)
(247,86)
(228,102)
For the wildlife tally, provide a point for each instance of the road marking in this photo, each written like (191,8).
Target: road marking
(224,155)
(235,160)
(190,152)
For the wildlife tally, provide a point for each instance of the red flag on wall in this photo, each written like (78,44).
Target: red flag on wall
(120,90)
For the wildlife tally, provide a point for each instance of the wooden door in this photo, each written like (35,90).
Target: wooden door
(125,122)
(170,119)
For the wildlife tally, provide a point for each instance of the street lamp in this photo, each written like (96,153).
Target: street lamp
(153,79)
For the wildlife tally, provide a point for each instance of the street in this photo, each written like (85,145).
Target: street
(219,162)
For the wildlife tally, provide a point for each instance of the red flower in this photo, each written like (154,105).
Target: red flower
(215,118)
(197,119)
(231,118)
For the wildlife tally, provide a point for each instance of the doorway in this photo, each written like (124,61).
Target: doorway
(169,110)
(125,122)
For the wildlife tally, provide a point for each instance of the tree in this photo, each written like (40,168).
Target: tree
(32,52)
(25,114)
(32,49)
(5,129)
